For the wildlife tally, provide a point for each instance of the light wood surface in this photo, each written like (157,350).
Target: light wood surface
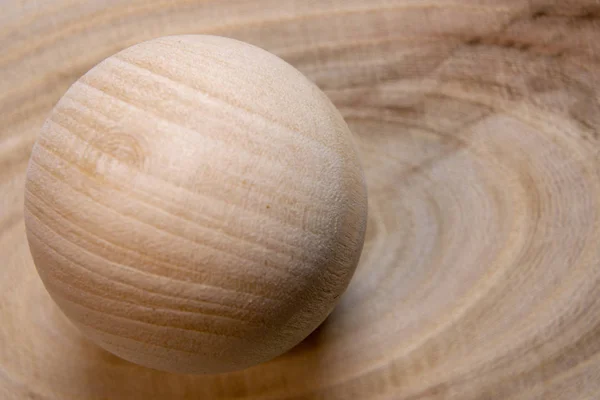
(195,204)
(477,123)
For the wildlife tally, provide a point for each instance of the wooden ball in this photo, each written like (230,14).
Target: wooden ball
(195,204)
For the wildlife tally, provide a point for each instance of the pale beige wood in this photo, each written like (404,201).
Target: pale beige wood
(195,204)
(477,125)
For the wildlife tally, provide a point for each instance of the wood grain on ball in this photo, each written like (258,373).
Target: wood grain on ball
(195,204)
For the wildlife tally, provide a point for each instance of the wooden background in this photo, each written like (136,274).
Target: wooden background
(478,125)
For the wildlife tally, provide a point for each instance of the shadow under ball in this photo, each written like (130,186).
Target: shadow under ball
(195,204)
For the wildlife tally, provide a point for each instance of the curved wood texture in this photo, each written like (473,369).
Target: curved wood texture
(478,126)
(195,204)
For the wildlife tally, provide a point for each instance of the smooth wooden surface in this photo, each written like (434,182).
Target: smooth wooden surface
(477,122)
(195,204)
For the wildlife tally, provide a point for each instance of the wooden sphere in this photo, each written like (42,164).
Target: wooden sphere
(195,204)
